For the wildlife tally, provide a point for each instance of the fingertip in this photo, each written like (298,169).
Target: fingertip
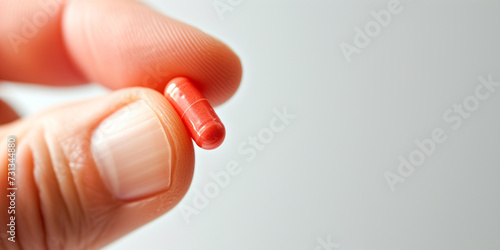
(95,170)
(125,43)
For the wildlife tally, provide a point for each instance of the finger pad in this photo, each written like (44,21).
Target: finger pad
(129,44)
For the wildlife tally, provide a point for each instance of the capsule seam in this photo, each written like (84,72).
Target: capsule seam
(191,106)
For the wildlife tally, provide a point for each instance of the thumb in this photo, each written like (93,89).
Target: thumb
(88,173)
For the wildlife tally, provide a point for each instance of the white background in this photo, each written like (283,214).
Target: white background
(323,176)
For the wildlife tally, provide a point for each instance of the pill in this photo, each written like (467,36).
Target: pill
(196,113)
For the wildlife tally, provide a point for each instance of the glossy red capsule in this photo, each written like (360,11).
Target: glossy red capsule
(196,113)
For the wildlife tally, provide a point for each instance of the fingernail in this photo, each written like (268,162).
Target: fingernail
(132,152)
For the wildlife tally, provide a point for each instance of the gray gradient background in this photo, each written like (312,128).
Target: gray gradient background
(323,176)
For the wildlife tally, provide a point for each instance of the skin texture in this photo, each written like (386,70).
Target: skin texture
(62,203)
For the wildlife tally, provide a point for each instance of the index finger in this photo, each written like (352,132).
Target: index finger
(118,43)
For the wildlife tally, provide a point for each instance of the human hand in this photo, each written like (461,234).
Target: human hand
(90,172)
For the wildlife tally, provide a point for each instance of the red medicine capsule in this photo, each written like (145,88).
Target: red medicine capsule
(196,113)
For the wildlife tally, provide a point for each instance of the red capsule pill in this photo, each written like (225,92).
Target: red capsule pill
(196,113)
